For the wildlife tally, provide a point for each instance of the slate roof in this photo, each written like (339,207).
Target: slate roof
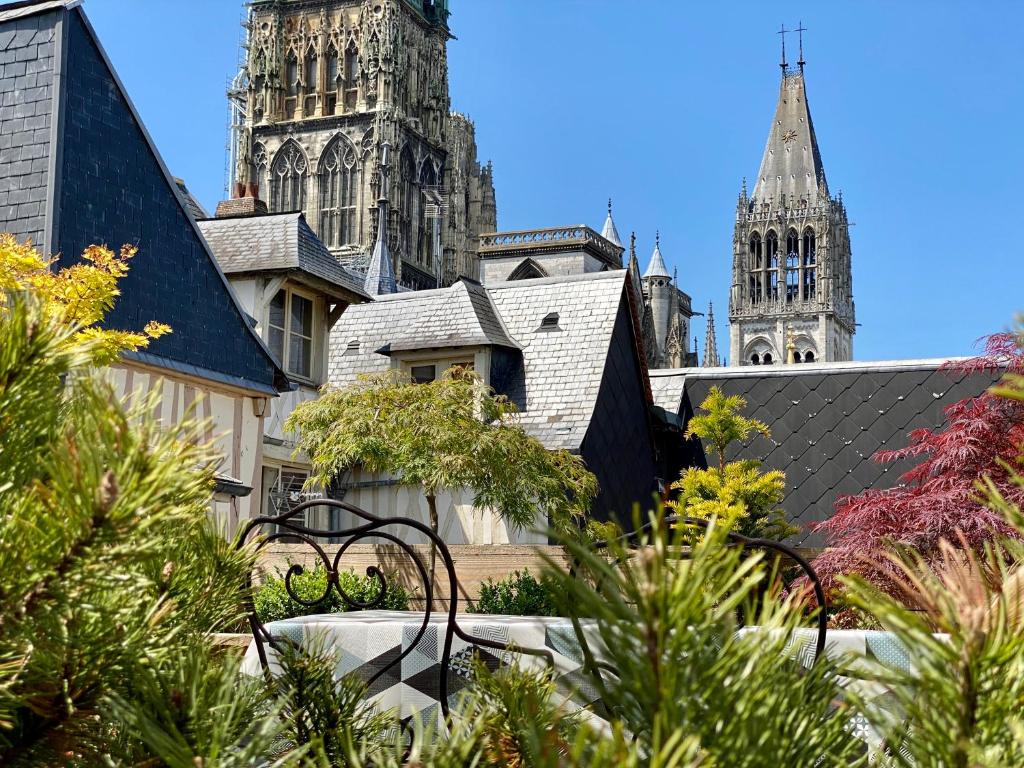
(193,205)
(77,168)
(274,243)
(563,366)
(23,8)
(828,420)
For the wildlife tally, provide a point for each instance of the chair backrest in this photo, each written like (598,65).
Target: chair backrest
(292,527)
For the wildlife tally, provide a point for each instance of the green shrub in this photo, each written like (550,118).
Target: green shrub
(273,602)
(518,594)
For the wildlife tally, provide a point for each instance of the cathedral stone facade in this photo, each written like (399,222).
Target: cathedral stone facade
(792,287)
(326,84)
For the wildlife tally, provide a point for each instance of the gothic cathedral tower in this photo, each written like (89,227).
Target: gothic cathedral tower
(792,287)
(326,83)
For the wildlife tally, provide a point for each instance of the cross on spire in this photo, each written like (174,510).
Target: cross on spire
(800,31)
(782,32)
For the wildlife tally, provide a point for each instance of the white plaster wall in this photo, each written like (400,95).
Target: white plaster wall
(459,521)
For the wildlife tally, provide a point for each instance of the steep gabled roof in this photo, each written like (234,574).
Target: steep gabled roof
(275,243)
(791,164)
(87,173)
(827,420)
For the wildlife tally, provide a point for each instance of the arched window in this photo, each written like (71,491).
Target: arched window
(291,86)
(425,249)
(810,265)
(312,73)
(410,200)
(755,263)
(332,86)
(792,242)
(755,252)
(796,357)
(351,76)
(772,262)
(288,179)
(261,163)
(755,359)
(339,186)
(809,356)
(792,277)
(527,270)
(767,359)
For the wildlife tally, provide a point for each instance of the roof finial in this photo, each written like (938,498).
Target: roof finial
(632,244)
(800,31)
(609,206)
(783,31)
(657,238)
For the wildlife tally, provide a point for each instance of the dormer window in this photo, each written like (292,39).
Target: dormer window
(290,337)
(550,322)
(352,348)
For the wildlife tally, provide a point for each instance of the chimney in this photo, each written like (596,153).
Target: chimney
(247,205)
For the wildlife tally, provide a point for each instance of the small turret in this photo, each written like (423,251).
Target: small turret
(610,233)
(661,297)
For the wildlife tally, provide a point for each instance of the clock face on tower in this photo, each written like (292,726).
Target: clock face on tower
(789,136)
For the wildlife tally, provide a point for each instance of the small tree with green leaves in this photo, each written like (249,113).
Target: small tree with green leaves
(448,434)
(738,493)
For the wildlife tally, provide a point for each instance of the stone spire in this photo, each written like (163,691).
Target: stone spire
(610,233)
(711,341)
(791,165)
(380,276)
(633,267)
(657,266)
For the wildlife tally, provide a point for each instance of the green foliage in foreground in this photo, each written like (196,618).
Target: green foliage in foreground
(112,580)
(273,602)
(518,594)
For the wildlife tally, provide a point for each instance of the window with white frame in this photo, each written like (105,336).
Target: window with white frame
(290,324)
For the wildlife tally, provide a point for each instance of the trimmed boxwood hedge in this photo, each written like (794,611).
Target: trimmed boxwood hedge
(273,602)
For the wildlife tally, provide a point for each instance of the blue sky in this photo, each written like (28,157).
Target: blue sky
(918,106)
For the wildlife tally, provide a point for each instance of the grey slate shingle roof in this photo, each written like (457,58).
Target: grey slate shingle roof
(563,367)
(273,243)
(828,420)
(19,10)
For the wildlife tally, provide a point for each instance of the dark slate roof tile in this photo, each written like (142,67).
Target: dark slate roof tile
(828,421)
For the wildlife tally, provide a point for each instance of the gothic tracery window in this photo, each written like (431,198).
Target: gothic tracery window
(311,73)
(333,85)
(756,265)
(261,163)
(291,80)
(339,187)
(410,198)
(792,277)
(351,76)
(288,179)
(772,263)
(810,265)
(425,250)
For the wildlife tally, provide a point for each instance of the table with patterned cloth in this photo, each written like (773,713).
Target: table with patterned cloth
(365,641)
